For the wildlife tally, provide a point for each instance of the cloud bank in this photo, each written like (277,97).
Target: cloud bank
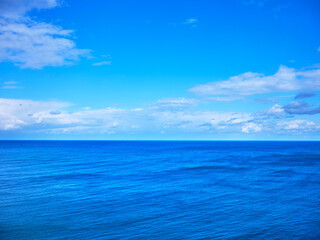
(177,116)
(166,114)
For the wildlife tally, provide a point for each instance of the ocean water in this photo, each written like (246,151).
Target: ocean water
(159,190)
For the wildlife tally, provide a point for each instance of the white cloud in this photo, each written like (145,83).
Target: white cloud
(31,44)
(275,111)
(16,113)
(249,83)
(295,125)
(251,127)
(17,8)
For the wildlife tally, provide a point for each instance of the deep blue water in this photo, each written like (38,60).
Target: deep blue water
(159,190)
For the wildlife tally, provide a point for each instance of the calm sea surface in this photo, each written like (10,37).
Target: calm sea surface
(159,190)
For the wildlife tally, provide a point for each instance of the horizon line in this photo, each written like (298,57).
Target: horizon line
(161,140)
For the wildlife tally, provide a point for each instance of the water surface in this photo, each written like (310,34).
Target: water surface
(159,190)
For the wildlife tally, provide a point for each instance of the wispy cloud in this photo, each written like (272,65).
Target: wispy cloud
(176,103)
(31,44)
(107,60)
(249,83)
(191,21)
(10,85)
(266,100)
(102,63)
(303,95)
(276,6)
(259,3)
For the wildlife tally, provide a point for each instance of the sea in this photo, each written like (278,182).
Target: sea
(159,190)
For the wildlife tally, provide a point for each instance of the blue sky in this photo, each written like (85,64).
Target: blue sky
(230,70)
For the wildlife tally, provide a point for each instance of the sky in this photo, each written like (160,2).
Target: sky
(160,70)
